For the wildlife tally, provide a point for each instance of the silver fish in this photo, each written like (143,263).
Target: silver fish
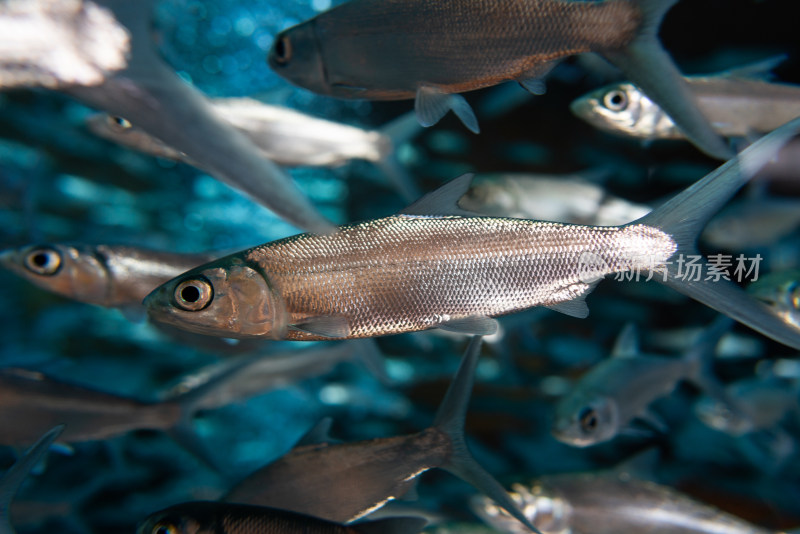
(572,198)
(611,504)
(617,390)
(152,97)
(781,291)
(106,275)
(370,473)
(432,266)
(429,50)
(283,135)
(224,518)
(13,478)
(85,43)
(737,104)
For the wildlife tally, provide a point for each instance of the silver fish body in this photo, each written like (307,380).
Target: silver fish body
(405,273)
(610,504)
(735,107)
(106,275)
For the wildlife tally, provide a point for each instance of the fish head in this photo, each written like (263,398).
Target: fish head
(227,297)
(619,109)
(546,509)
(582,420)
(717,415)
(120,130)
(62,269)
(295,55)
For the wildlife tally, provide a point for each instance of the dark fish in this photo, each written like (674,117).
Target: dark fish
(368,474)
(433,267)
(431,49)
(613,503)
(224,518)
(152,97)
(13,478)
(106,275)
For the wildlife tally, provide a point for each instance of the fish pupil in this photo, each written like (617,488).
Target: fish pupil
(190,294)
(283,50)
(588,419)
(41,259)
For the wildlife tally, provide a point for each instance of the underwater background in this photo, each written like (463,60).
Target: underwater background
(59,183)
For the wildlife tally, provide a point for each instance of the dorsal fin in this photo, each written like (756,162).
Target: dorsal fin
(319,433)
(442,201)
(627,343)
(758,70)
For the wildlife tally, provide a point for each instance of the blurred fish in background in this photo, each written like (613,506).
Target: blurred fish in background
(90,220)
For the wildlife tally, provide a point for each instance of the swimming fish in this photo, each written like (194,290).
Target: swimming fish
(285,136)
(106,275)
(224,518)
(84,43)
(781,291)
(737,103)
(611,503)
(13,478)
(367,474)
(152,97)
(429,50)
(433,266)
(571,198)
(619,389)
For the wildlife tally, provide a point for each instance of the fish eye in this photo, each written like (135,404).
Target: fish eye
(119,122)
(45,260)
(588,419)
(282,51)
(165,527)
(615,100)
(193,294)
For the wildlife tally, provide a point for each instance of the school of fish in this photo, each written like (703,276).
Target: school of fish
(240,273)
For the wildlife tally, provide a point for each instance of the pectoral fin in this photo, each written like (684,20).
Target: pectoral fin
(478,325)
(532,80)
(431,104)
(326,326)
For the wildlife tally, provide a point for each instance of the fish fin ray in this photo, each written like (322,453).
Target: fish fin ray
(758,70)
(647,65)
(576,307)
(627,342)
(532,80)
(686,214)
(334,327)
(478,325)
(442,201)
(431,104)
(450,420)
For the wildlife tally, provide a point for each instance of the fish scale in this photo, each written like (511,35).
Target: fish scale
(401,273)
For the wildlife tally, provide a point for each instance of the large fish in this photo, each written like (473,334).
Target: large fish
(223,518)
(285,136)
(611,503)
(431,49)
(370,473)
(106,275)
(737,103)
(431,266)
(152,97)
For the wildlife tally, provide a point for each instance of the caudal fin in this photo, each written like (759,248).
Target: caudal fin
(450,420)
(685,215)
(14,477)
(647,65)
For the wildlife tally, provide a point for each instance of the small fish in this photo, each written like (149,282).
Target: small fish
(781,291)
(106,275)
(435,266)
(573,199)
(368,474)
(257,374)
(85,43)
(285,136)
(153,98)
(611,503)
(224,518)
(753,222)
(430,50)
(617,390)
(737,103)
(13,478)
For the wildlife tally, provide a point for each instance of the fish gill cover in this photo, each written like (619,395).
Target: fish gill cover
(61,184)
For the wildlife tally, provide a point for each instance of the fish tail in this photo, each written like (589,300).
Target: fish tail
(450,420)
(13,478)
(684,216)
(645,62)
